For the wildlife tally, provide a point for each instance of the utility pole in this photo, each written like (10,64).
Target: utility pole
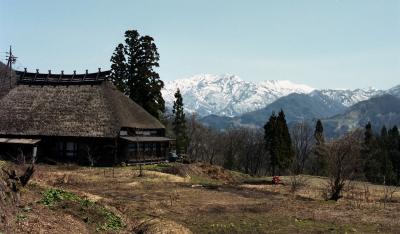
(11,59)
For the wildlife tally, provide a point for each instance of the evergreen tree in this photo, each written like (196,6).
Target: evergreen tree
(135,82)
(319,162)
(270,137)
(179,123)
(229,159)
(153,101)
(384,132)
(387,169)
(372,166)
(118,69)
(368,134)
(132,72)
(285,150)
(278,143)
(319,133)
(394,152)
(379,163)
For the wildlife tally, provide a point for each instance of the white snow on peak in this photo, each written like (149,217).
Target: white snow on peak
(395,91)
(228,95)
(348,97)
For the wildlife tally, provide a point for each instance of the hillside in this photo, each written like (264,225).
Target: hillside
(395,91)
(381,110)
(197,198)
(297,107)
(347,97)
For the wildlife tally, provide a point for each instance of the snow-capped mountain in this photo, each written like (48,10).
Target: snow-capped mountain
(228,95)
(395,91)
(347,97)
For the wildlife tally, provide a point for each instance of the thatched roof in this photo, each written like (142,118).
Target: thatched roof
(71,110)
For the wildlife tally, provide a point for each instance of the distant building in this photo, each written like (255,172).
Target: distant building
(77,117)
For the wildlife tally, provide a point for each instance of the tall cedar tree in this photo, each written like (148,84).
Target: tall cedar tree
(179,123)
(372,165)
(278,143)
(319,163)
(132,72)
(319,133)
(394,151)
(368,135)
(118,69)
(387,169)
(381,156)
(270,137)
(286,153)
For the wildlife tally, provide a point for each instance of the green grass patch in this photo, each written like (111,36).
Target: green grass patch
(153,167)
(21,217)
(239,176)
(52,196)
(113,222)
(95,215)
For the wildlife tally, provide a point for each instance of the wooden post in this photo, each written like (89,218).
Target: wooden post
(61,75)
(98,74)
(73,76)
(86,73)
(36,75)
(139,157)
(115,154)
(34,153)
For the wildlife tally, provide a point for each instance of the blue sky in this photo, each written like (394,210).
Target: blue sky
(322,43)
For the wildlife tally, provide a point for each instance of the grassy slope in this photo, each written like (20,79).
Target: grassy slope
(207,203)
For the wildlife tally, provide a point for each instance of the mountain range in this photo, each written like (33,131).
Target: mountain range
(229,95)
(226,101)
(337,119)
(383,110)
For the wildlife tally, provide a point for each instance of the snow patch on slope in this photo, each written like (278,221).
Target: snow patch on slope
(228,95)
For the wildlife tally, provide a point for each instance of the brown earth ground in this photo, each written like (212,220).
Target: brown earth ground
(199,198)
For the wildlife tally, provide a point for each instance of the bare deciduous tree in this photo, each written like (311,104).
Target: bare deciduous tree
(388,192)
(303,142)
(241,148)
(343,163)
(12,179)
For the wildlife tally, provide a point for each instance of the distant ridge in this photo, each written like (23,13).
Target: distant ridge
(229,95)
(380,110)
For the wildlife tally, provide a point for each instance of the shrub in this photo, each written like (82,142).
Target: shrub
(276,180)
(107,220)
(297,182)
(113,222)
(51,196)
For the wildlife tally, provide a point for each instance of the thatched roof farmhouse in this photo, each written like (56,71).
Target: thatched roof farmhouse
(78,117)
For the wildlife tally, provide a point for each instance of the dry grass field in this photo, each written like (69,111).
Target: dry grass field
(197,198)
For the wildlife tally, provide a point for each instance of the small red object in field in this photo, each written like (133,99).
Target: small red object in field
(276,180)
